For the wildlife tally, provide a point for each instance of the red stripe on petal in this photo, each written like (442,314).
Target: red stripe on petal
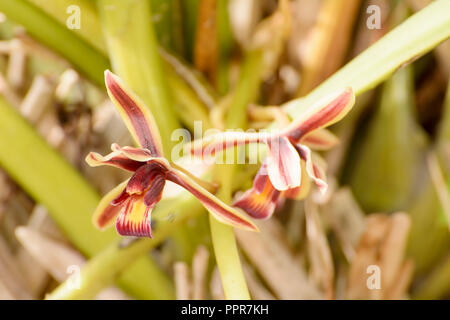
(215,143)
(137,154)
(114,159)
(143,177)
(135,219)
(323,114)
(321,139)
(154,194)
(259,182)
(136,115)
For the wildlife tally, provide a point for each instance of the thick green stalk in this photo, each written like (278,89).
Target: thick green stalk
(70,200)
(106,267)
(224,241)
(133,51)
(49,32)
(416,36)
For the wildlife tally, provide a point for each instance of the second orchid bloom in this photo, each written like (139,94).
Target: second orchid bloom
(289,165)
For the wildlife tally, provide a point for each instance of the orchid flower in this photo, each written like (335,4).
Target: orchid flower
(289,166)
(130,204)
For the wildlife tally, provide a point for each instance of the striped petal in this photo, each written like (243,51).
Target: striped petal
(212,144)
(137,154)
(321,139)
(134,218)
(324,113)
(313,170)
(135,114)
(115,159)
(105,213)
(283,164)
(221,211)
(143,178)
(259,204)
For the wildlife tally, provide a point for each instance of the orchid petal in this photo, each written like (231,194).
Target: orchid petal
(114,159)
(154,194)
(137,154)
(143,178)
(324,113)
(283,164)
(259,204)
(221,211)
(259,182)
(134,218)
(135,114)
(214,143)
(321,139)
(105,213)
(313,170)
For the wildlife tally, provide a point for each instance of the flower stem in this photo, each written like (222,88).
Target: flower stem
(224,241)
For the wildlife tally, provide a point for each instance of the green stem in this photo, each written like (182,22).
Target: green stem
(134,55)
(224,241)
(49,32)
(106,267)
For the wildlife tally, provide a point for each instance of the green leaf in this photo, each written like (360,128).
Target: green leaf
(416,36)
(384,175)
(49,32)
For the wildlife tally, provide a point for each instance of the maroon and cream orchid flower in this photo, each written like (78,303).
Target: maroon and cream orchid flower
(130,203)
(289,165)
